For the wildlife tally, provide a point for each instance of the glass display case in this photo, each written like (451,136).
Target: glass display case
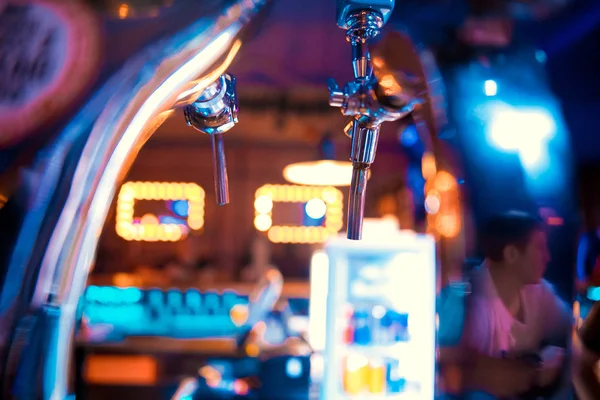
(380,340)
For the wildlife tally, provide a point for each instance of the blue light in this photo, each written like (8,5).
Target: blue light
(193,298)
(540,56)
(155,297)
(526,131)
(174,297)
(131,295)
(593,293)
(293,368)
(180,208)
(409,136)
(490,88)
(167,219)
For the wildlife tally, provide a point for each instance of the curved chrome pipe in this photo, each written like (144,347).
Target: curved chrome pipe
(133,103)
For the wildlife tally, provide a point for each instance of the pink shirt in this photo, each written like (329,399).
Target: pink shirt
(491,330)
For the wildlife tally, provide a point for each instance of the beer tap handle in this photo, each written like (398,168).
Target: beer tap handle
(214,113)
(337,97)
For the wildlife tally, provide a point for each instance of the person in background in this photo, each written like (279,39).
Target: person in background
(586,355)
(513,317)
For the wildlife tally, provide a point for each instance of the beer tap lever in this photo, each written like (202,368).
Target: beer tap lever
(214,113)
(365,99)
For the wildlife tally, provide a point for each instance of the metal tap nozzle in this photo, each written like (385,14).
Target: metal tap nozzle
(370,99)
(362,155)
(356,207)
(214,113)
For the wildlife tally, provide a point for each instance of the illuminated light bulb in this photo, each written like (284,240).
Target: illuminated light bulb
(299,235)
(262,222)
(149,219)
(275,234)
(239,314)
(444,181)
(432,203)
(196,223)
(329,195)
(123,11)
(138,232)
(335,212)
(152,191)
(315,208)
(428,167)
(166,232)
(334,226)
(198,216)
(125,206)
(171,192)
(291,193)
(127,194)
(211,375)
(179,191)
(252,350)
(307,193)
(161,192)
(126,216)
(191,192)
(319,173)
(263,204)
(447,225)
(490,88)
(266,190)
(241,387)
(123,225)
(280,192)
(123,280)
(142,192)
(128,235)
(288,234)
(150,233)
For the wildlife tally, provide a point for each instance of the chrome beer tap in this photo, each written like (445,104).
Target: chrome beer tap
(214,113)
(370,99)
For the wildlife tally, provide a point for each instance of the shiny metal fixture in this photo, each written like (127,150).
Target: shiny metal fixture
(369,101)
(214,113)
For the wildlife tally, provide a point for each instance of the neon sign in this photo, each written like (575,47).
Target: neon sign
(266,196)
(149,228)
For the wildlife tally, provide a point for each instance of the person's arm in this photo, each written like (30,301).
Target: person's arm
(587,354)
(473,367)
(557,317)
(499,377)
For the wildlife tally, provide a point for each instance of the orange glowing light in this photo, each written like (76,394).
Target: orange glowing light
(239,314)
(443,205)
(120,370)
(123,11)
(428,167)
(444,181)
